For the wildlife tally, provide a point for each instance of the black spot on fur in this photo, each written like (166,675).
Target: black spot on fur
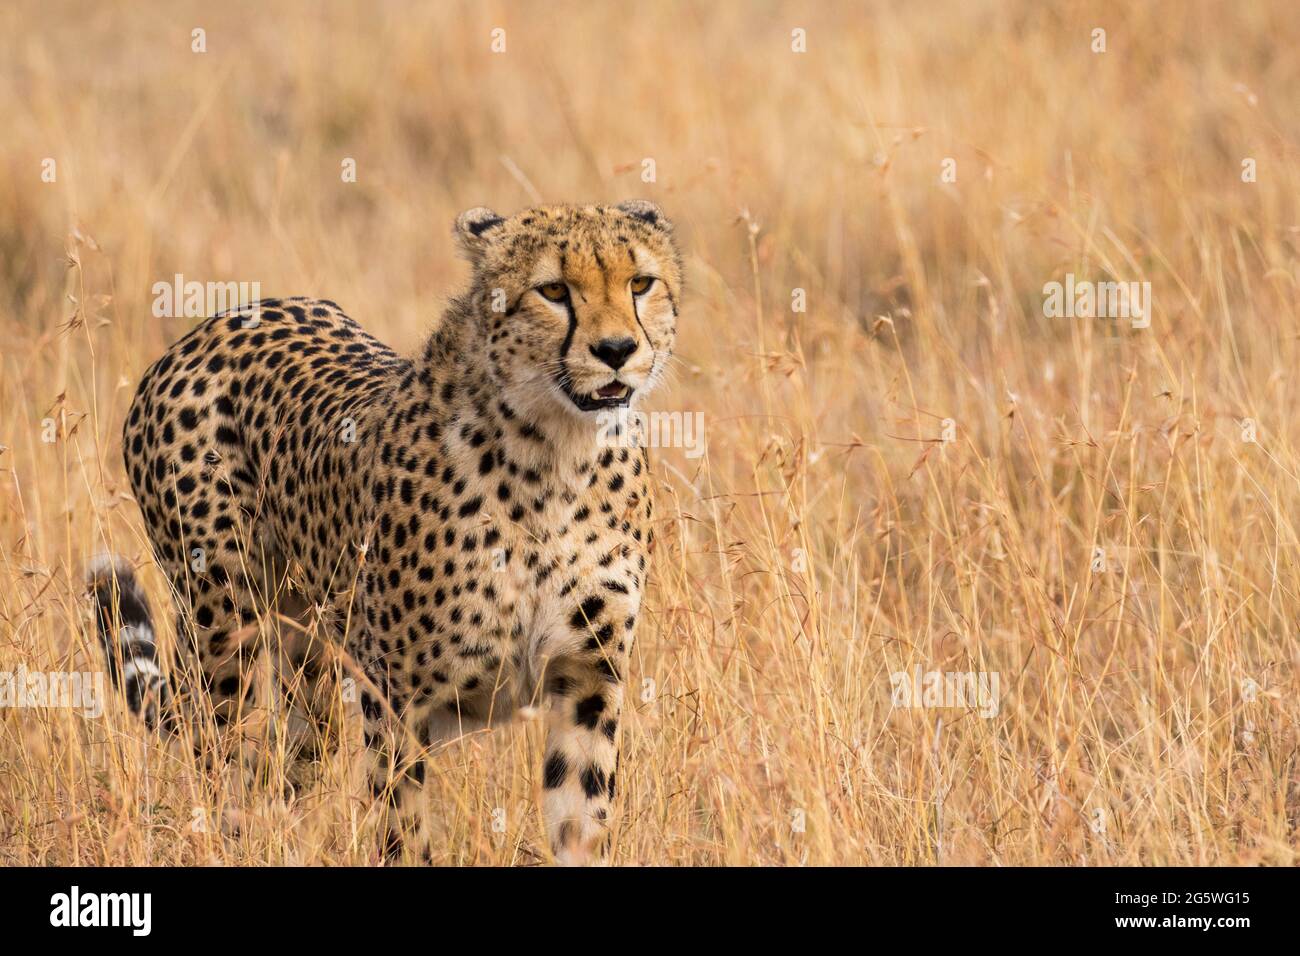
(589,710)
(556,769)
(594,781)
(587,612)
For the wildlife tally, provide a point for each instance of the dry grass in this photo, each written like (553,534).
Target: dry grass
(827,539)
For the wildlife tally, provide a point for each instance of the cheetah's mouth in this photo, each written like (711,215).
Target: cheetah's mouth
(613,395)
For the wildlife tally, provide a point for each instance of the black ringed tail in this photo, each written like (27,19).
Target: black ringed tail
(127,636)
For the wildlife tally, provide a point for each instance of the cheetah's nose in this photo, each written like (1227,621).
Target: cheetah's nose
(614,352)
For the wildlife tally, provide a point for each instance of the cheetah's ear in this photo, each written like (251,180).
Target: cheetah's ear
(647,212)
(474,229)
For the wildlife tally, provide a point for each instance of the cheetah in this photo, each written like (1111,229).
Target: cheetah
(464,523)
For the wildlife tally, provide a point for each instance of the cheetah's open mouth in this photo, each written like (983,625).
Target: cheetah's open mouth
(613,395)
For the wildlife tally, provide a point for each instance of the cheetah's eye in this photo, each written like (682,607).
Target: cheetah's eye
(554,291)
(641,284)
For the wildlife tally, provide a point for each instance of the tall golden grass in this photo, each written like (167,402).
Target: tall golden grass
(1099,532)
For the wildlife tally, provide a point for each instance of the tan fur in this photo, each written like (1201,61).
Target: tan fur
(457,508)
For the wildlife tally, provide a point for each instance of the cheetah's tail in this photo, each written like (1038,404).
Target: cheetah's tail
(126,631)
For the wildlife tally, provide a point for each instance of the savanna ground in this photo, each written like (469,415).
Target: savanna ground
(919,471)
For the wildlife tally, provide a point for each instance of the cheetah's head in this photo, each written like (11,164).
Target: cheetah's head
(578,303)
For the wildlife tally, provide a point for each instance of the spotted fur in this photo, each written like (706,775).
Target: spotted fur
(471,544)
(126,633)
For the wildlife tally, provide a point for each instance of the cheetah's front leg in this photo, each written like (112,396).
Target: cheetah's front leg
(581,760)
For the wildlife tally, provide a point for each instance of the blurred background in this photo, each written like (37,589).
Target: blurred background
(909,465)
